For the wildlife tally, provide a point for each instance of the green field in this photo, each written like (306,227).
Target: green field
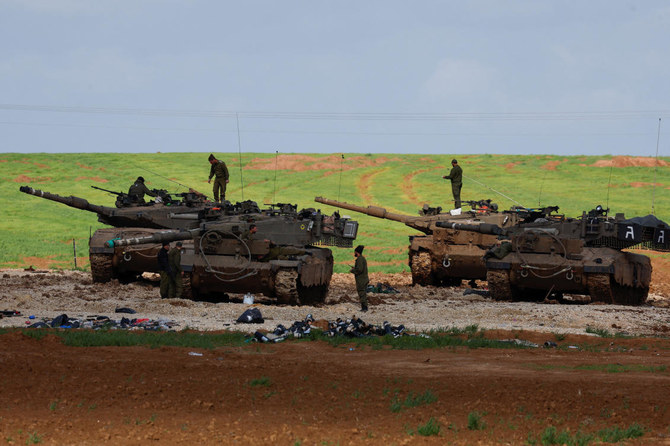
(35,228)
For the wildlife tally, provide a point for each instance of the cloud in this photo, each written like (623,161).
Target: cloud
(458,81)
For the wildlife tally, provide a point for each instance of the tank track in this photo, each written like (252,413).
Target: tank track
(500,287)
(101,267)
(187,291)
(603,289)
(286,287)
(312,295)
(420,263)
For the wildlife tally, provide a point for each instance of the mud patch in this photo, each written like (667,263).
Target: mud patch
(301,163)
(26,179)
(640,184)
(551,165)
(630,161)
(38,263)
(84,166)
(96,179)
(408,188)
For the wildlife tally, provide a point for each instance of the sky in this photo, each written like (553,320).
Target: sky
(336,76)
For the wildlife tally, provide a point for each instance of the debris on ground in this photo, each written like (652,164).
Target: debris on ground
(251,316)
(520,342)
(353,328)
(104,322)
(382,287)
(9,313)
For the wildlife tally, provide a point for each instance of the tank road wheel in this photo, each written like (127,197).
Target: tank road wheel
(421,269)
(500,287)
(101,267)
(286,287)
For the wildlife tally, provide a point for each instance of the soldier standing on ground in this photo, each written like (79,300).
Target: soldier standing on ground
(165,271)
(456,177)
(219,171)
(360,271)
(138,190)
(174,260)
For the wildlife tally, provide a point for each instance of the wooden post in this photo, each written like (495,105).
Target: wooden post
(74,248)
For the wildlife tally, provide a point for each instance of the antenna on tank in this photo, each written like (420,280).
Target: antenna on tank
(653,193)
(609,181)
(274,200)
(539,197)
(239,151)
(339,186)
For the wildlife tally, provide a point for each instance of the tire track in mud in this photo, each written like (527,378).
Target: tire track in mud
(408,188)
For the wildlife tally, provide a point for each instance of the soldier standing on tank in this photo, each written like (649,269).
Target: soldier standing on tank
(165,271)
(219,171)
(360,271)
(174,260)
(456,177)
(137,191)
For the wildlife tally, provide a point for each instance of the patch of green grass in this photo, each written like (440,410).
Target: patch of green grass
(413,400)
(431,428)
(551,436)
(53,405)
(475,421)
(263,381)
(616,434)
(559,336)
(34,438)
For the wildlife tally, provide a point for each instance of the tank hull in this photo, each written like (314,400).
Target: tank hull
(603,274)
(294,280)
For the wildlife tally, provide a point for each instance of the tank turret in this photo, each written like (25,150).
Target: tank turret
(582,256)
(281,259)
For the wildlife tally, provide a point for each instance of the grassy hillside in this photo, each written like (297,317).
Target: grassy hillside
(34,228)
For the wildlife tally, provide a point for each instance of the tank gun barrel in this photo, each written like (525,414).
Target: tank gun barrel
(483,228)
(158,237)
(373,211)
(72,201)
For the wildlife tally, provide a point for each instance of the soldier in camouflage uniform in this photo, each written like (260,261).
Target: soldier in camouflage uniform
(174,260)
(138,190)
(219,171)
(360,271)
(456,177)
(165,271)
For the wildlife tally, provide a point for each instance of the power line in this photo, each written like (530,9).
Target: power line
(334,116)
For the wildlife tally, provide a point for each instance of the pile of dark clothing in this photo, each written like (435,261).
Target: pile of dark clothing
(357,328)
(353,328)
(104,322)
(384,288)
(299,329)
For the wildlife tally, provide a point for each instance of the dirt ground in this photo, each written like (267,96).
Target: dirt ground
(311,393)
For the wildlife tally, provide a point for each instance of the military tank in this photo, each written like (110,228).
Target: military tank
(283,259)
(446,256)
(572,256)
(130,219)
